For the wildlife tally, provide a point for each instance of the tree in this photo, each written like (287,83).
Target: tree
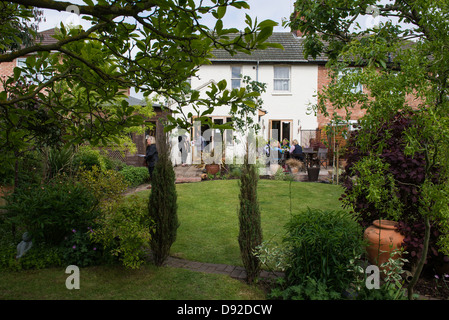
(67,90)
(398,61)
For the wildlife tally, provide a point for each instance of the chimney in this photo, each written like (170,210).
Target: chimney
(296,32)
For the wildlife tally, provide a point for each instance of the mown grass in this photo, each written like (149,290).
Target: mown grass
(118,283)
(208,232)
(208,218)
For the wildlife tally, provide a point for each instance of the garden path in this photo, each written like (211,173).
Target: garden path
(235,272)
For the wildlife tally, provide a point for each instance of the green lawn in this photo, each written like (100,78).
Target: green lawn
(207,212)
(208,232)
(117,283)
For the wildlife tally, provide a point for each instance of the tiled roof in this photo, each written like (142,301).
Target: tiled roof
(293,51)
(46,37)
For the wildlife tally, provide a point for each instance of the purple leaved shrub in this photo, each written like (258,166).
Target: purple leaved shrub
(409,174)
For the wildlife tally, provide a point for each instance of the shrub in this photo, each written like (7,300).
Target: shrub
(40,256)
(250,229)
(87,158)
(78,249)
(125,231)
(163,206)
(135,175)
(106,186)
(321,245)
(406,175)
(49,212)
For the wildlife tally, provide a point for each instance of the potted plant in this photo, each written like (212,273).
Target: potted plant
(372,180)
(294,165)
(211,167)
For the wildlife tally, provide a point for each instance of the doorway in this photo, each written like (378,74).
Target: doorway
(281,129)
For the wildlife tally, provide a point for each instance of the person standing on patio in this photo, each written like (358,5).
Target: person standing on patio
(184,148)
(151,155)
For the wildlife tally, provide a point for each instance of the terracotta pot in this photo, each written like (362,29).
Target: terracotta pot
(294,169)
(212,168)
(383,238)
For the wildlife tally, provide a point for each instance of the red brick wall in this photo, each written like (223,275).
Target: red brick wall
(323,81)
(6,70)
(356,113)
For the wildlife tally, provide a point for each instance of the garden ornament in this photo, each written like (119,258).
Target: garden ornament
(24,245)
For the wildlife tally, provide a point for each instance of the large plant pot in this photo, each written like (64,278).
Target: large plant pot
(212,168)
(313,173)
(383,238)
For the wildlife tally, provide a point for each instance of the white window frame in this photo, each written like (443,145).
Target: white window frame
(234,78)
(358,88)
(34,79)
(288,80)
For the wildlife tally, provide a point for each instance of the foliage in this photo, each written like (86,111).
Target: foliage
(390,184)
(397,75)
(107,187)
(250,229)
(87,157)
(40,256)
(310,289)
(243,116)
(50,211)
(322,242)
(58,161)
(391,287)
(73,90)
(78,249)
(18,25)
(273,255)
(125,231)
(162,205)
(135,175)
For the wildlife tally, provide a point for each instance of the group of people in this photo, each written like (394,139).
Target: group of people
(286,150)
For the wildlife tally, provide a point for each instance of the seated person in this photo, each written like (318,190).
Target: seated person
(296,151)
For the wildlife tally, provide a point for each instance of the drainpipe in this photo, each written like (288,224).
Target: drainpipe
(257,71)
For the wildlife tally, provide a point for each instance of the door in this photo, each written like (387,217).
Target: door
(281,129)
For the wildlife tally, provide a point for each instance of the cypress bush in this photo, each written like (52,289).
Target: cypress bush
(250,230)
(162,205)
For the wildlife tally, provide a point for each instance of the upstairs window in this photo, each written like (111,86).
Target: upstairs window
(281,78)
(32,77)
(353,73)
(236,77)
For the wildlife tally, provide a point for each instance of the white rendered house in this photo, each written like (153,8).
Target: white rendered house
(291,86)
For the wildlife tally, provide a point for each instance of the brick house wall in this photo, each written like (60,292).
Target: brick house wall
(6,70)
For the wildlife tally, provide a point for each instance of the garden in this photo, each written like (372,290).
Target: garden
(70,208)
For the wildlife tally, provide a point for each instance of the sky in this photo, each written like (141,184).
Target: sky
(262,9)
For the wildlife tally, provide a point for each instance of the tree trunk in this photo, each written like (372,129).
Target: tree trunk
(422,260)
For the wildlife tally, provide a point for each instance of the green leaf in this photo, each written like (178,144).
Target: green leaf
(267,24)
(221,11)
(17,72)
(222,85)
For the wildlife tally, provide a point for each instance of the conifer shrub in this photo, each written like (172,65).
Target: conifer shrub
(250,230)
(162,205)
